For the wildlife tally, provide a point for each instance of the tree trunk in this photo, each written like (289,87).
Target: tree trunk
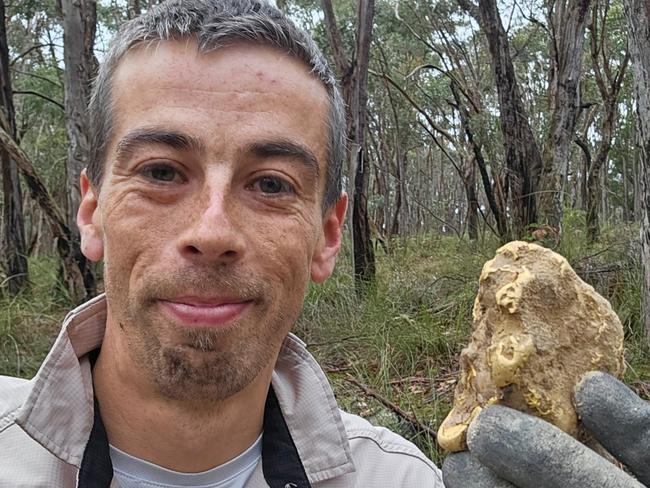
(395,227)
(364,258)
(380,189)
(637,172)
(469,181)
(79,24)
(354,81)
(638,19)
(400,223)
(626,194)
(593,202)
(497,211)
(405,224)
(13,239)
(583,183)
(523,157)
(567,20)
(609,82)
(595,175)
(596,172)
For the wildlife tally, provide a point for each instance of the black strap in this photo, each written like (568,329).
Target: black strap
(281,463)
(96,469)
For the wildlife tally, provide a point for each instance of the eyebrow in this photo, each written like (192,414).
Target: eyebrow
(147,136)
(180,141)
(285,148)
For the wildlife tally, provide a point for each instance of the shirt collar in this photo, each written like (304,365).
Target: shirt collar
(301,409)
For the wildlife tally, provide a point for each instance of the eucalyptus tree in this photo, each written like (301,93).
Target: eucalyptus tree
(353,70)
(610,59)
(523,157)
(536,171)
(37,70)
(453,77)
(566,22)
(79,27)
(638,19)
(14,247)
(408,100)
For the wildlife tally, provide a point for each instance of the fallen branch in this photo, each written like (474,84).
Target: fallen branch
(411,380)
(409,417)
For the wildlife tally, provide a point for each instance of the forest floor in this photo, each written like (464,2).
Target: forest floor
(392,356)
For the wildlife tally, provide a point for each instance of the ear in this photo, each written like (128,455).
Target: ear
(89,221)
(328,247)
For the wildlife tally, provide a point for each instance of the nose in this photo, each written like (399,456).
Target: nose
(213,234)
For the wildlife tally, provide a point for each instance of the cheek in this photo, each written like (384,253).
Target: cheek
(119,259)
(133,236)
(286,255)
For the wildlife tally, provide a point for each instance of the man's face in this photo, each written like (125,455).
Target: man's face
(209,216)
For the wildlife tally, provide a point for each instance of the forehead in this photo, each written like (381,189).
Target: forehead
(245,87)
(232,61)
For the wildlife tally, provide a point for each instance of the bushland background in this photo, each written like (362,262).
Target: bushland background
(470,124)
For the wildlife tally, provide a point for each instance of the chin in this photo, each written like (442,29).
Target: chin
(189,374)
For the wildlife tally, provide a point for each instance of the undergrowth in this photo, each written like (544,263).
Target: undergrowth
(391,354)
(30,321)
(401,341)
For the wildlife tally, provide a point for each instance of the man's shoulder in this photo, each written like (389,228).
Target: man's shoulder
(388,441)
(380,452)
(13,393)
(25,462)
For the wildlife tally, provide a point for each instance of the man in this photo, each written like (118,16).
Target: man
(213,197)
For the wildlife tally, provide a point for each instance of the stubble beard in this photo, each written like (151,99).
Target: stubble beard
(199,365)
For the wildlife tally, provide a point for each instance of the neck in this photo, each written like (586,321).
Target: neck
(178,436)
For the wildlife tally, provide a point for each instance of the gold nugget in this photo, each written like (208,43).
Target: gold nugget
(537,329)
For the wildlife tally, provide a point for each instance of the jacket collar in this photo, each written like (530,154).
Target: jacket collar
(62,394)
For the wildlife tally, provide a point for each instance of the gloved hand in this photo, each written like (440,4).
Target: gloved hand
(510,449)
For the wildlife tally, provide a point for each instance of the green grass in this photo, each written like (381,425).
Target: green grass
(402,340)
(30,321)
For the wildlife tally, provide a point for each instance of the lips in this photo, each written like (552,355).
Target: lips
(200,312)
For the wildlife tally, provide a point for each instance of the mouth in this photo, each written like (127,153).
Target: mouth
(205,312)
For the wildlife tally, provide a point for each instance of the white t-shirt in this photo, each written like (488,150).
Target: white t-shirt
(132,472)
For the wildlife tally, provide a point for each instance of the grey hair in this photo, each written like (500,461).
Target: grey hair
(215,24)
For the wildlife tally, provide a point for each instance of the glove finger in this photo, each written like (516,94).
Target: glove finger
(463,470)
(618,418)
(532,453)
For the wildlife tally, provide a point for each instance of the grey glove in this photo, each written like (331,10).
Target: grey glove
(528,452)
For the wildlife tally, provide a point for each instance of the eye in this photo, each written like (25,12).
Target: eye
(272,185)
(162,173)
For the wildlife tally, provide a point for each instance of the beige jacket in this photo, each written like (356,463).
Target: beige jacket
(50,437)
